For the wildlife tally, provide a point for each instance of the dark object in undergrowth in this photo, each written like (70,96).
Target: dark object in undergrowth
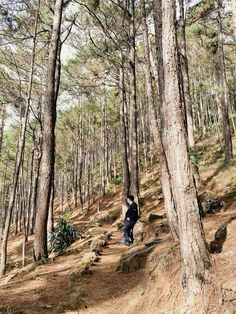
(154,217)
(220,236)
(64,235)
(211,206)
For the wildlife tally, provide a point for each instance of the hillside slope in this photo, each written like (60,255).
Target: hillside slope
(91,278)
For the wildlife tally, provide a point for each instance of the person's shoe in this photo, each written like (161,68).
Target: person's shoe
(123,242)
(128,243)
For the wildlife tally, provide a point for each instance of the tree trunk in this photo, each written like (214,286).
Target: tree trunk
(48,144)
(2,120)
(186,91)
(195,256)
(37,161)
(134,151)
(50,225)
(233,4)
(124,144)
(19,154)
(155,128)
(224,92)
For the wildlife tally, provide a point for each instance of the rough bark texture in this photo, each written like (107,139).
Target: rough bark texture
(2,120)
(48,144)
(195,256)
(233,3)
(155,129)
(134,152)
(125,161)
(19,154)
(224,92)
(186,90)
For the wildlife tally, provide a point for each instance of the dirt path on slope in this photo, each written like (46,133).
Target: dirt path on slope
(44,289)
(108,291)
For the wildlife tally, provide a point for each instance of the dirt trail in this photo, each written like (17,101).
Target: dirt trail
(43,290)
(107,287)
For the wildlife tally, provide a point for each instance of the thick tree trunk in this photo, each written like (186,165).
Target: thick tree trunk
(29,197)
(233,4)
(124,144)
(48,144)
(81,156)
(187,101)
(103,152)
(134,151)
(50,225)
(19,154)
(2,121)
(37,161)
(224,92)
(155,128)
(195,256)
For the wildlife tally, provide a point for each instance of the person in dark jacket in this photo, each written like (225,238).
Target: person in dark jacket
(131,218)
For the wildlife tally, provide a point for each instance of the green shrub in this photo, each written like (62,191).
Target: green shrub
(64,235)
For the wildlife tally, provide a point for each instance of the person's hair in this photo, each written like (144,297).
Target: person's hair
(131,197)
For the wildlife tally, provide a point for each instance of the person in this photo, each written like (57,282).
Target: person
(130,220)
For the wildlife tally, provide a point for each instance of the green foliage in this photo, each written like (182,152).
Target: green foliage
(226,164)
(116,181)
(194,156)
(201,10)
(64,235)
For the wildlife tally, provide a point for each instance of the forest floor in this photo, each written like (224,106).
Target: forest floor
(154,287)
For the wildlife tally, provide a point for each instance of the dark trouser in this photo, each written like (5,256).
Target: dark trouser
(128,231)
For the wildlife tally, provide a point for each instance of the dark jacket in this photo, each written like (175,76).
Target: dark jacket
(132,212)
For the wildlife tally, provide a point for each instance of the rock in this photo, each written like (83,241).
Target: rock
(211,206)
(20,271)
(105,217)
(53,255)
(160,197)
(134,261)
(220,236)
(90,258)
(78,272)
(139,230)
(82,267)
(100,242)
(221,233)
(154,217)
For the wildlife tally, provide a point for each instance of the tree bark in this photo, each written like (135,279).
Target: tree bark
(155,126)
(134,151)
(19,154)
(224,92)
(2,121)
(48,141)
(195,256)
(233,4)
(124,144)
(186,91)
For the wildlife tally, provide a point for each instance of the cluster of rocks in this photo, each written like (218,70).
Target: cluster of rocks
(88,258)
